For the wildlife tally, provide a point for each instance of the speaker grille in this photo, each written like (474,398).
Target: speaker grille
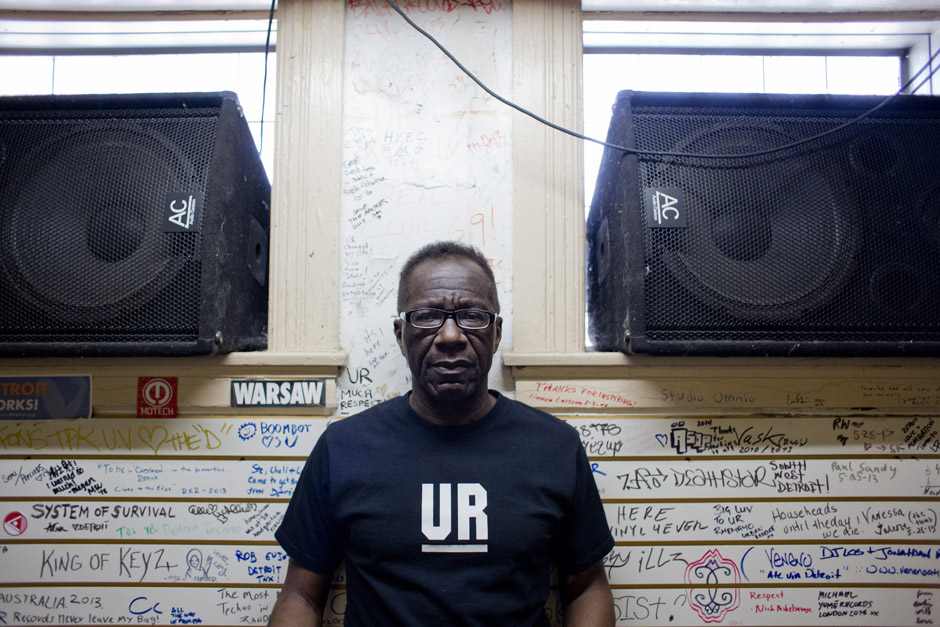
(836,240)
(81,239)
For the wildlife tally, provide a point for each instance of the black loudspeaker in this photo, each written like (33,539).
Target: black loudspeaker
(131,225)
(828,246)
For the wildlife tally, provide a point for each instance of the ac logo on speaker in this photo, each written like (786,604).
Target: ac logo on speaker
(665,207)
(182,212)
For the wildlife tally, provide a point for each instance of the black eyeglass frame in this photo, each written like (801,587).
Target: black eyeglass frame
(406,316)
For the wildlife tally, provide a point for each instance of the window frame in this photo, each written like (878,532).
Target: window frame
(549,222)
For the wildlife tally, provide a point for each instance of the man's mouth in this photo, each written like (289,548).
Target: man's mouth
(448,366)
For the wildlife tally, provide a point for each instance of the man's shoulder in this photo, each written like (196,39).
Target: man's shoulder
(530,417)
(372,418)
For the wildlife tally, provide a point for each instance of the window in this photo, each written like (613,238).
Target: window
(748,57)
(79,57)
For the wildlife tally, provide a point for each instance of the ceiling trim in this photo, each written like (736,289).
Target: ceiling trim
(823,38)
(130,16)
(751,51)
(750,16)
(135,6)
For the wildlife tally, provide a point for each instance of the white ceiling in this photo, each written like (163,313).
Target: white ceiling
(886,25)
(641,6)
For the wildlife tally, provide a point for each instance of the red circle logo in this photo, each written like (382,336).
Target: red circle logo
(15,523)
(157,392)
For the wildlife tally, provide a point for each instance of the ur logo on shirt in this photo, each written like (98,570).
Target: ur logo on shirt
(438,518)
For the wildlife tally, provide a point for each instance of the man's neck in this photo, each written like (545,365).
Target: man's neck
(453,416)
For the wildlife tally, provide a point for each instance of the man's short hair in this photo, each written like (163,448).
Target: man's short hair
(445,250)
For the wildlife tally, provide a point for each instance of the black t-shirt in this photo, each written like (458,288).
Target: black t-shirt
(446,525)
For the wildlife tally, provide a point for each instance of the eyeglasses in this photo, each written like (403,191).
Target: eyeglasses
(428,318)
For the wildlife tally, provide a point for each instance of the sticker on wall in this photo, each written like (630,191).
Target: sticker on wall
(156,397)
(15,523)
(45,398)
(713,604)
(309,393)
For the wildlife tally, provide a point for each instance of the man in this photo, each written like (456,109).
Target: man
(449,504)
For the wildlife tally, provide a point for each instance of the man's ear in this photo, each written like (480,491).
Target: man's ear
(498,335)
(398,331)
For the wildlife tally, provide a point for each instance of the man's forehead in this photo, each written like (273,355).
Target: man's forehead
(429,296)
(449,279)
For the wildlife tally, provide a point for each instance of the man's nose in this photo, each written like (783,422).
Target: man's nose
(450,333)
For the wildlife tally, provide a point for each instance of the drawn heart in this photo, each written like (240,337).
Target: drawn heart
(147,436)
(267,441)
(663,439)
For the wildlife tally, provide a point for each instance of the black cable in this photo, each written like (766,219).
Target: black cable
(926,78)
(656,153)
(264,82)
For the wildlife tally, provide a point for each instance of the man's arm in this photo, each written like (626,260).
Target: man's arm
(588,599)
(301,601)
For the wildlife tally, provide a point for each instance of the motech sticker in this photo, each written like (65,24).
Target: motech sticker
(309,393)
(156,397)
